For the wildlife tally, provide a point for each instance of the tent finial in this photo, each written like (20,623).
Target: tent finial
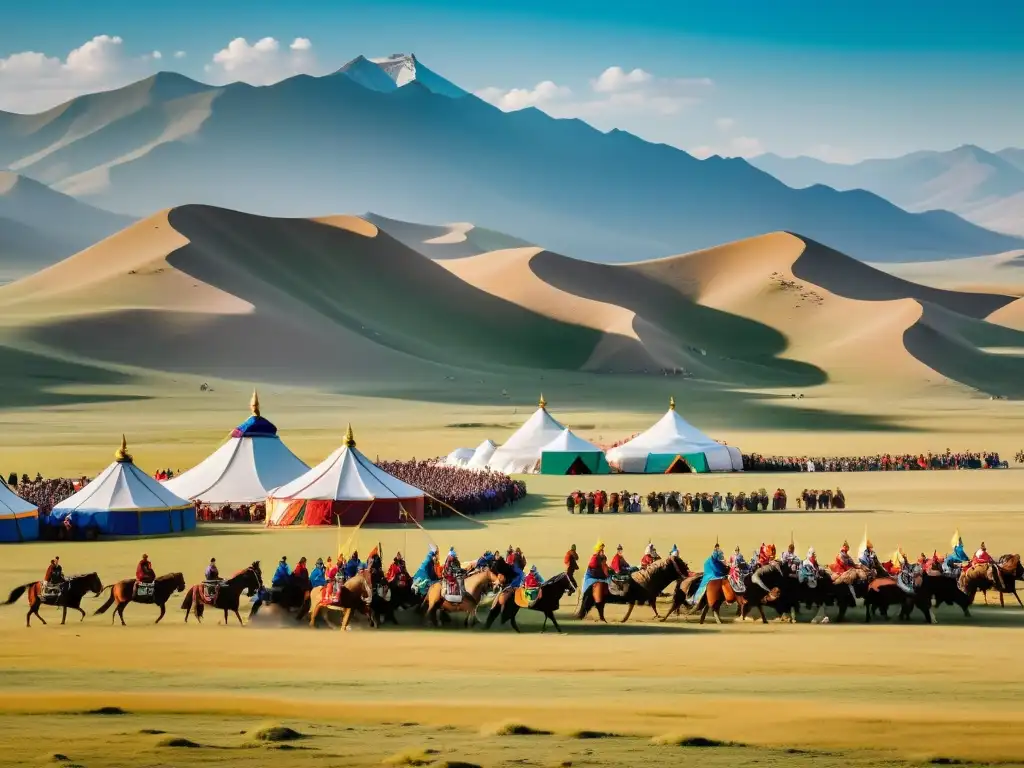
(254,404)
(350,439)
(542,402)
(121,454)
(671,403)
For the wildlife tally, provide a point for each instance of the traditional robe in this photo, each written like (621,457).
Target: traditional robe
(715,567)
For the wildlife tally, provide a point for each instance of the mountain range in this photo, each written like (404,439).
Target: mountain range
(393,137)
(984,187)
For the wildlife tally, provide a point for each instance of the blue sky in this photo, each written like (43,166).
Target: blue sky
(837,79)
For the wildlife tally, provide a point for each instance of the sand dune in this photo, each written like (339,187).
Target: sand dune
(450,241)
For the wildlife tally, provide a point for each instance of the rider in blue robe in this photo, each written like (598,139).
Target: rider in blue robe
(318,576)
(715,567)
(282,574)
(958,555)
(426,574)
(352,566)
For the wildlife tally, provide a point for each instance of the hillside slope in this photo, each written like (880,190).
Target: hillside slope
(319,145)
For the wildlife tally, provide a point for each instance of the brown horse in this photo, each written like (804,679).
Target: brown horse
(767,584)
(123,592)
(644,587)
(227,594)
(354,594)
(548,597)
(72,591)
(1005,574)
(473,589)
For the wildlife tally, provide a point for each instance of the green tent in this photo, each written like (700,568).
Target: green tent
(568,454)
(671,463)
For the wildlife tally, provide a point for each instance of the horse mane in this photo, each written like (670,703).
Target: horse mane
(1009,562)
(171,576)
(653,573)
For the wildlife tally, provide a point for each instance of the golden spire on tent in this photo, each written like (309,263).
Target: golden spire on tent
(350,440)
(671,403)
(254,404)
(121,454)
(542,402)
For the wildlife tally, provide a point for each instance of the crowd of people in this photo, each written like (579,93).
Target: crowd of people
(599,502)
(468,491)
(240,513)
(886,462)
(44,493)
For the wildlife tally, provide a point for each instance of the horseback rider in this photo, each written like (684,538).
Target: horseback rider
(959,556)
(807,571)
(452,572)
(982,557)
(54,573)
(715,567)
(374,567)
(426,574)
(533,580)
(868,558)
(572,565)
(737,566)
(318,576)
(212,574)
(619,565)
(789,557)
(649,555)
(144,574)
(397,571)
(844,562)
(520,559)
(352,566)
(282,574)
(674,552)
(510,555)
(597,568)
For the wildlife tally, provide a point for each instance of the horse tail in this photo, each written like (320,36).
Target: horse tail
(17,592)
(586,603)
(186,604)
(495,612)
(110,601)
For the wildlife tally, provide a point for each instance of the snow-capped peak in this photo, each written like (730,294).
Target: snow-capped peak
(404,68)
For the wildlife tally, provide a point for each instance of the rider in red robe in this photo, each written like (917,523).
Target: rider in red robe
(532,580)
(510,555)
(982,557)
(144,570)
(597,568)
(619,563)
(843,561)
(397,569)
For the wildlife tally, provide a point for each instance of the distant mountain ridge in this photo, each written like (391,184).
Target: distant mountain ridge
(422,152)
(984,187)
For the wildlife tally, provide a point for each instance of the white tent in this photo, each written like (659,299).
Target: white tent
(124,500)
(459,457)
(521,452)
(19,520)
(569,442)
(673,435)
(348,487)
(482,455)
(252,462)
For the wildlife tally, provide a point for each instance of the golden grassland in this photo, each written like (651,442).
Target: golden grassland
(781,693)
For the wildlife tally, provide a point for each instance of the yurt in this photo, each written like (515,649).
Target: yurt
(674,445)
(459,457)
(252,462)
(569,454)
(521,452)
(19,520)
(345,487)
(125,501)
(482,455)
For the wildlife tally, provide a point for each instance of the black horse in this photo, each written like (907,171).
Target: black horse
(292,595)
(548,597)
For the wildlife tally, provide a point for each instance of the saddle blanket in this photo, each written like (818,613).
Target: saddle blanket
(144,591)
(525,598)
(210,591)
(51,593)
(451,590)
(589,581)
(877,584)
(619,585)
(737,585)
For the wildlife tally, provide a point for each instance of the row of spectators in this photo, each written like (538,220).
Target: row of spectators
(597,502)
(44,493)
(243,513)
(469,491)
(879,463)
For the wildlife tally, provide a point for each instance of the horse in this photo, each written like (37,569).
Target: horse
(294,594)
(548,597)
(883,593)
(826,593)
(942,589)
(72,591)
(643,587)
(766,584)
(227,595)
(473,589)
(1007,571)
(354,593)
(123,592)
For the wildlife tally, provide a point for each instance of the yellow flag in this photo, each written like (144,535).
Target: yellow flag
(897,556)
(956,539)
(864,541)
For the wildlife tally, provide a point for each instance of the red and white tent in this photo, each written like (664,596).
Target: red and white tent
(345,487)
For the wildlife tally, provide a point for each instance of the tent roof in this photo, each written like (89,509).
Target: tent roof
(537,431)
(242,470)
(347,475)
(670,434)
(122,487)
(569,442)
(11,503)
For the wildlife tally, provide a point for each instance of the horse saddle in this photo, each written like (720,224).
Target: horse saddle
(907,582)
(211,590)
(526,596)
(452,590)
(144,591)
(51,592)
(737,584)
(619,585)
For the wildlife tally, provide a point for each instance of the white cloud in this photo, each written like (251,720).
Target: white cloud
(180,54)
(262,63)
(614,94)
(156,55)
(31,81)
(725,124)
(544,93)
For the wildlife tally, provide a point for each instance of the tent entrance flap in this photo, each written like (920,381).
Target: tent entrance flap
(675,463)
(571,463)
